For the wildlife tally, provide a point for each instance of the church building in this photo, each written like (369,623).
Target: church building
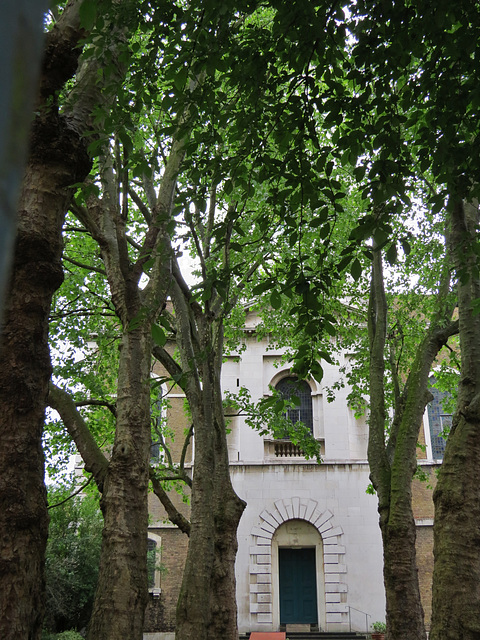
(309,544)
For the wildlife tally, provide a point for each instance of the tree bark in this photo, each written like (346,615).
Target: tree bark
(393,464)
(122,589)
(456,576)
(398,528)
(57,159)
(207,602)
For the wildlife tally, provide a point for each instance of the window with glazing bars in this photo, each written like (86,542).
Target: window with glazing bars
(299,390)
(439,422)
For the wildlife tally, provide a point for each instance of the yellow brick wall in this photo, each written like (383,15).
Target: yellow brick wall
(423,510)
(160,613)
(424,549)
(422,493)
(421,450)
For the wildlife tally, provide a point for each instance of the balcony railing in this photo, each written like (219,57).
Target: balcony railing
(285,449)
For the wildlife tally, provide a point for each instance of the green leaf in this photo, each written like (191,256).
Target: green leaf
(391,254)
(359,173)
(381,237)
(405,246)
(311,328)
(330,329)
(158,335)
(262,287)
(356,269)
(320,218)
(317,371)
(88,14)
(275,300)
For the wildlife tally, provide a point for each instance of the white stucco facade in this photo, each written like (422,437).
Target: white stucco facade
(293,503)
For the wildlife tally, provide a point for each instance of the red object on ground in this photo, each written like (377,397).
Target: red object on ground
(272,635)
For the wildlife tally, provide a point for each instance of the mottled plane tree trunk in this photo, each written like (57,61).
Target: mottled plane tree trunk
(122,589)
(392,459)
(456,576)
(207,602)
(57,159)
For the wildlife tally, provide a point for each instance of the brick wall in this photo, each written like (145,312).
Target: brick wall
(179,423)
(160,613)
(422,493)
(424,548)
(422,448)
(423,511)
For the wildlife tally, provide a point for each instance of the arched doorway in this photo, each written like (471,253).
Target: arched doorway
(330,563)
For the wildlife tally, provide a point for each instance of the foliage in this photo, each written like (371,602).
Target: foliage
(306,132)
(64,635)
(72,558)
(269,417)
(380,627)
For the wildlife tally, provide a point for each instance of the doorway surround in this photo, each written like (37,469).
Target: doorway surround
(331,591)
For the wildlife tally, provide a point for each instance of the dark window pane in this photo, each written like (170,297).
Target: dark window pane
(300,390)
(154,452)
(438,422)
(151,562)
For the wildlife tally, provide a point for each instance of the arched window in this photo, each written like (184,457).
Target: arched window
(299,390)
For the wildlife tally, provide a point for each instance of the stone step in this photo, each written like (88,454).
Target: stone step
(319,635)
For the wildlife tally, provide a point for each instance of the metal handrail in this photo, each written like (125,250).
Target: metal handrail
(367,616)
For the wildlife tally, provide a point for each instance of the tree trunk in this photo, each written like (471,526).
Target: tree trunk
(57,160)
(122,589)
(223,597)
(392,465)
(405,618)
(401,582)
(24,376)
(207,602)
(456,576)
(25,373)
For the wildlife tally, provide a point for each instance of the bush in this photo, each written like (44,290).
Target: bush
(65,635)
(72,558)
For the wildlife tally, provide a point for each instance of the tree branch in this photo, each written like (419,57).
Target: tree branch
(184,288)
(72,495)
(93,457)
(141,206)
(185,446)
(88,267)
(98,403)
(377,331)
(168,362)
(173,514)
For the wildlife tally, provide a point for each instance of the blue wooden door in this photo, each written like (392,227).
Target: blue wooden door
(298,586)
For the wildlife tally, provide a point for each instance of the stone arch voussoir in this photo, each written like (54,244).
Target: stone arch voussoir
(261,608)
